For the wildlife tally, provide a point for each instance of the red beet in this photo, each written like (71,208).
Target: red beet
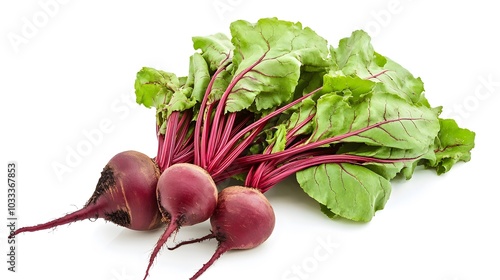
(243,219)
(187,195)
(125,195)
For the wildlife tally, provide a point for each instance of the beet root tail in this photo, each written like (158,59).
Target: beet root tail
(88,212)
(197,240)
(221,249)
(170,229)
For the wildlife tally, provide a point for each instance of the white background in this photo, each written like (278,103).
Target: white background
(68,69)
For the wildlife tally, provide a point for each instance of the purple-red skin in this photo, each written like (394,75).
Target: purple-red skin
(187,195)
(125,195)
(243,219)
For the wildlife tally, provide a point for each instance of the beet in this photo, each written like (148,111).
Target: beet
(125,195)
(187,195)
(243,219)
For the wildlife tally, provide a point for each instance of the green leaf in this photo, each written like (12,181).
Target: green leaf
(380,119)
(267,61)
(220,85)
(215,49)
(199,77)
(350,191)
(328,212)
(192,92)
(400,81)
(453,144)
(168,93)
(181,101)
(308,82)
(277,138)
(355,56)
(154,87)
(349,86)
(401,158)
(306,109)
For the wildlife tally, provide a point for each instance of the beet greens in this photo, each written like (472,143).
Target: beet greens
(345,121)
(363,130)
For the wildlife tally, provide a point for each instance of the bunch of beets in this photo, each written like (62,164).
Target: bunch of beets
(272,100)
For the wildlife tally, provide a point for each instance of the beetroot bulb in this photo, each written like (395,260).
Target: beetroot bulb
(125,195)
(243,219)
(187,195)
